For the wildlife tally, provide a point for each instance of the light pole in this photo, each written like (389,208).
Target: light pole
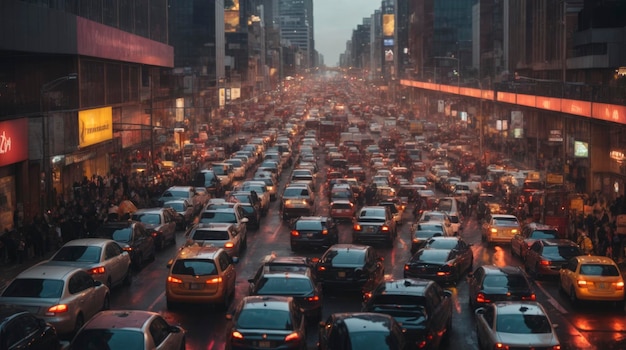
(45,147)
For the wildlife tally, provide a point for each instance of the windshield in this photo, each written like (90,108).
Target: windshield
(102,339)
(87,254)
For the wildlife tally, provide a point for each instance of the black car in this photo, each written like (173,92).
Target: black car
(251,204)
(490,283)
(314,232)
(350,267)
(419,237)
(301,286)
(546,257)
(361,330)
(273,322)
(441,265)
(422,307)
(132,236)
(19,329)
(374,224)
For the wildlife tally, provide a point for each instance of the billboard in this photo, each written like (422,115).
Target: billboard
(95,126)
(388,41)
(389,24)
(13,141)
(517,124)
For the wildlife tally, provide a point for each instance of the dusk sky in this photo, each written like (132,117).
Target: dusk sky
(334,22)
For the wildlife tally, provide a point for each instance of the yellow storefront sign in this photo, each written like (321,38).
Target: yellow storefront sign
(95,126)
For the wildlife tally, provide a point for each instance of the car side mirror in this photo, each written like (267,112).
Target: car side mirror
(479,311)
(235,259)
(97,283)
(447,293)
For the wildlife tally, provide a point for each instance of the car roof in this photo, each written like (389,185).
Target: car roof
(502,270)
(595,259)
(516,307)
(100,242)
(54,272)
(365,321)
(120,319)
(303,274)
(267,302)
(404,286)
(180,188)
(312,218)
(503,216)
(150,210)
(198,252)
(223,226)
(558,242)
(347,246)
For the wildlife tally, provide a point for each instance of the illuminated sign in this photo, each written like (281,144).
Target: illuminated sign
(617,155)
(388,42)
(95,126)
(13,141)
(388,24)
(581,149)
(555,136)
(388,55)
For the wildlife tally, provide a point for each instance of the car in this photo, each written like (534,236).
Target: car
(219,234)
(181,192)
(129,329)
(435,217)
(490,283)
(20,329)
(420,235)
(351,267)
(450,206)
(422,308)
(273,263)
(201,275)
(300,285)
(102,258)
(341,192)
(184,209)
(590,277)
(239,168)
(228,213)
(546,256)
(521,242)
(224,172)
(444,266)
(160,223)
(500,228)
(303,174)
(270,180)
(313,232)
(251,204)
(268,321)
(297,201)
(361,330)
(64,296)
(209,180)
(515,325)
(132,236)
(374,224)
(261,190)
(395,206)
(342,209)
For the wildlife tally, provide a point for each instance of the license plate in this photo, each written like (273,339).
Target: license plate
(196,286)
(309,235)
(602,285)
(371,229)
(341,274)
(264,344)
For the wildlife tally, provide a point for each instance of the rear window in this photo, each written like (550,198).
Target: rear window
(442,244)
(523,324)
(87,254)
(116,234)
(209,235)
(309,225)
(434,256)
(341,206)
(505,281)
(194,267)
(34,288)
(208,217)
(109,339)
(566,252)
(284,286)
(598,270)
(543,234)
(344,258)
(506,221)
(264,318)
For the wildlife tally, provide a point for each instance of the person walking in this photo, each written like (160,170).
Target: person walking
(584,242)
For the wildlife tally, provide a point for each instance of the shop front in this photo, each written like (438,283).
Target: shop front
(13,173)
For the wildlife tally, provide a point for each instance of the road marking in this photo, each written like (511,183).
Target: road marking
(161,296)
(551,300)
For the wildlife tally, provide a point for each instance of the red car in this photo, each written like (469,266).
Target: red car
(342,209)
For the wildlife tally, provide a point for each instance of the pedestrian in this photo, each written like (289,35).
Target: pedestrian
(584,242)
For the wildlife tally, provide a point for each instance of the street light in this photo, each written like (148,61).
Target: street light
(45,156)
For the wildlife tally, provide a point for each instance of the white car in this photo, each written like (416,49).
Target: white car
(515,324)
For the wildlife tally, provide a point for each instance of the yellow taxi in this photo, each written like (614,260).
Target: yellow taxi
(589,277)
(201,274)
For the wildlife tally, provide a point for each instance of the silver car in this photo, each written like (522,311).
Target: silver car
(523,324)
(102,258)
(64,296)
(221,235)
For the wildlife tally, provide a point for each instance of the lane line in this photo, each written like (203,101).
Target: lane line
(159,298)
(551,300)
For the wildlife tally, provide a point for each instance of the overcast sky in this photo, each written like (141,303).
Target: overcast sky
(334,22)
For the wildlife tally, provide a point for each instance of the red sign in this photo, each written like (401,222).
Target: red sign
(13,141)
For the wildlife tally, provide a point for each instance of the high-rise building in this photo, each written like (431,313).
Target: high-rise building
(296,28)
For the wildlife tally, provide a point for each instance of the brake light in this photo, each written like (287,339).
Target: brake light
(171,279)
(154,234)
(229,245)
(96,270)
(384,228)
(214,280)
(501,346)
(545,262)
(236,335)
(128,249)
(295,233)
(321,268)
(416,240)
(619,285)
(556,347)
(324,232)
(480,298)
(582,283)
(356,227)
(407,267)
(57,309)
(531,297)
(514,230)
(292,337)
(494,230)
(313,298)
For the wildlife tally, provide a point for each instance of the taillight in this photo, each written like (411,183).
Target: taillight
(292,337)
(295,233)
(214,280)
(531,297)
(494,230)
(619,285)
(407,267)
(384,228)
(500,346)
(324,232)
(556,347)
(321,268)
(445,270)
(480,298)
(96,270)
(153,234)
(356,227)
(582,283)
(545,262)
(229,245)
(514,230)
(236,335)
(128,249)
(57,309)
(313,298)
(171,279)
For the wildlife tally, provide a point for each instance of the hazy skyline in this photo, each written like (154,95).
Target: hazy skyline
(334,22)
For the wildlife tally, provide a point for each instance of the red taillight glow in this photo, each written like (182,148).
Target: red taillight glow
(480,298)
(582,283)
(531,297)
(384,228)
(229,245)
(324,232)
(619,285)
(57,309)
(545,262)
(295,233)
(236,335)
(501,346)
(407,267)
(171,279)
(214,280)
(128,249)
(313,298)
(154,234)
(292,337)
(356,227)
(96,270)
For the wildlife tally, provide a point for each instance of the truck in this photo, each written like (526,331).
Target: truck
(416,127)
